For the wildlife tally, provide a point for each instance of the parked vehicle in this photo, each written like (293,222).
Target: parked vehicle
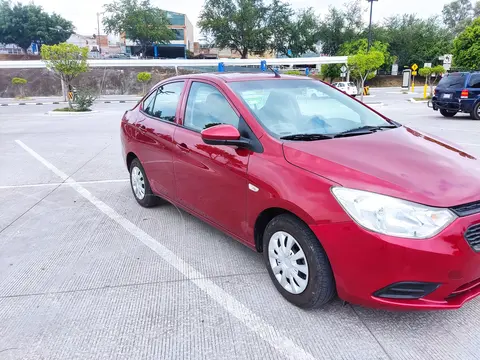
(337,197)
(347,87)
(458,92)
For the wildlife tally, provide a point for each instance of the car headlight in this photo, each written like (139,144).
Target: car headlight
(392,216)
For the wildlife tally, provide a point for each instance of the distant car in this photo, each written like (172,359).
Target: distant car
(347,87)
(339,198)
(458,92)
(118,57)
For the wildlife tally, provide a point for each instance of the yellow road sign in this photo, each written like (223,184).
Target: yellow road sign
(70,95)
(414,67)
(414,73)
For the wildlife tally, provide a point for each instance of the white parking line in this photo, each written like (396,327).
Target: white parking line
(282,344)
(58,184)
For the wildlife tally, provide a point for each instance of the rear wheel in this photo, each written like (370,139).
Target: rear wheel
(447,113)
(475,114)
(297,263)
(140,185)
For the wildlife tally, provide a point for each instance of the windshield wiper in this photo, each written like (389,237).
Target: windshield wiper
(306,137)
(362,130)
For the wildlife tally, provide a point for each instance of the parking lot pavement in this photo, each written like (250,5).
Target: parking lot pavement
(86,273)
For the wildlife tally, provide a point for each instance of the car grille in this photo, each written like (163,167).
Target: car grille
(467,209)
(472,235)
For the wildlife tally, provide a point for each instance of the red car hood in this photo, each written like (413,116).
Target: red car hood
(398,162)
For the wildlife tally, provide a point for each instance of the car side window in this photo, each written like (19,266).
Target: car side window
(474,81)
(206,107)
(165,104)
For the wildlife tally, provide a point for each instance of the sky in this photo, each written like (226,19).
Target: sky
(83,12)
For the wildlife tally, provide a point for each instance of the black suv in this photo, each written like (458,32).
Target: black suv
(458,92)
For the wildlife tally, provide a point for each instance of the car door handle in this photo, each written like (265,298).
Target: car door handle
(183,147)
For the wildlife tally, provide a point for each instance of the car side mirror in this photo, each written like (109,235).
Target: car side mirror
(224,135)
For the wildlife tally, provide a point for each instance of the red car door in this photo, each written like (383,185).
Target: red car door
(155,128)
(210,180)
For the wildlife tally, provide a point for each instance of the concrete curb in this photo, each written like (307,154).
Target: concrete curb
(418,101)
(64,102)
(73,113)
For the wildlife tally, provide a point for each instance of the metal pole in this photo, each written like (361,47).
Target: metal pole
(370,25)
(98,36)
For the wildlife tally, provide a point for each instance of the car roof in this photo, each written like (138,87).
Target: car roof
(236,76)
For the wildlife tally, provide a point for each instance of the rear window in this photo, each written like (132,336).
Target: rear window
(351,84)
(455,80)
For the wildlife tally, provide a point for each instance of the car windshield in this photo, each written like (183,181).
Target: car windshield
(286,107)
(454,80)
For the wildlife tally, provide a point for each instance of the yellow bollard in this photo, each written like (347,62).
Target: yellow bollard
(425,91)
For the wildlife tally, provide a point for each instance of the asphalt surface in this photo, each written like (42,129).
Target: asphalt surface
(86,273)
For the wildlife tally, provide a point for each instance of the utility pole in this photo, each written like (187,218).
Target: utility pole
(370,25)
(98,36)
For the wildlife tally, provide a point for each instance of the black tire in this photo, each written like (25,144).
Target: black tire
(475,114)
(447,113)
(149,199)
(320,287)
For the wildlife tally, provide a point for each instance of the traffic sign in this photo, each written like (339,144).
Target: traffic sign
(414,73)
(414,67)
(343,74)
(447,59)
(343,69)
(427,65)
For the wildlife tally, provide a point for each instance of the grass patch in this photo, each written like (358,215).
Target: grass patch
(22,98)
(421,98)
(71,110)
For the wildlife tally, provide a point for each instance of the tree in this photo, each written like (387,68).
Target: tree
(294,34)
(457,15)
(340,26)
(363,65)
(20,84)
(141,22)
(22,24)
(331,71)
(361,46)
(144,78)
(476,9)
(67,61)
(431,75)
(466,47)
(413,40)
(240,25)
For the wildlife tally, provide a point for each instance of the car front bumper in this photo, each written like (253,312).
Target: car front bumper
(364,263)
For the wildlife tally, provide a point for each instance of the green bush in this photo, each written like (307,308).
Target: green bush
(20,84)
(19,81)
(293,72)
(84,100)
(144,78)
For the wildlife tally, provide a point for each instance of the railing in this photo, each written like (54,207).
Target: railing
(38,64)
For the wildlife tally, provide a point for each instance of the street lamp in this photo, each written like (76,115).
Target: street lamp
(370,25)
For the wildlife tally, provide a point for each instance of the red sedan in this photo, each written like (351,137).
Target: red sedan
(338,198)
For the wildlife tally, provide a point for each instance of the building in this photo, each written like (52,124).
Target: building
(177,48)
(204,51)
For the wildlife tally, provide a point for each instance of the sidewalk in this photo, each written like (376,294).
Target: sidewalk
(47,100)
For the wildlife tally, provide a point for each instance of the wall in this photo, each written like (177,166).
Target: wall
(110,81)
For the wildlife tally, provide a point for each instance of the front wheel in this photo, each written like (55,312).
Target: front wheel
(297,263)
(447,113)
(475,114)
